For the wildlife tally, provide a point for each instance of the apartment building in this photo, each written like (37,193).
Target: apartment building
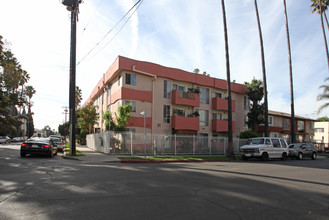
(174,101)
(321,134)
(279,126)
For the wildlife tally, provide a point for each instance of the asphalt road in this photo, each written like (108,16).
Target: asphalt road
(45,188)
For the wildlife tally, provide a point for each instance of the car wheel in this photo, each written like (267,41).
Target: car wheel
(284,156)
(265,157)
(299,156)
(314,156)
(51,155)
(23,154)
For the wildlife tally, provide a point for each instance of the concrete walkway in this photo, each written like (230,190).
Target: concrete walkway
(92,156)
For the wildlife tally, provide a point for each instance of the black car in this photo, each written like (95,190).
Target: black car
(38,146)
(58,142)
(301,150)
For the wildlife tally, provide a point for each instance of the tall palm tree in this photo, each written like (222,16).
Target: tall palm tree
(323,96)
(292,126)
(264,72)
(228,76)
(320,6)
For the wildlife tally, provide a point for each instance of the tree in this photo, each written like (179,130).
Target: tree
(320,6)
(228,78)
(78,96)
(119,123)
(323,119)
(63,129)
(264,72)
(248,134)
(12,90)
(292,126)
(29,124)
(87,118)
(323,96)
(255,94)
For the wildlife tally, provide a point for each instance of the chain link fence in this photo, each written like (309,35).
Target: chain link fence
(129,143)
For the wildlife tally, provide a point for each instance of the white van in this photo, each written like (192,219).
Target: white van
(265,148)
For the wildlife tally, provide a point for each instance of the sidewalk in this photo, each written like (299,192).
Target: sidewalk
(92,156)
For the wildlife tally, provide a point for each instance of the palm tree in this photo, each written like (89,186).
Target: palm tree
(292,126)
(323,96)
(228,76)
(320,6)
(264,72)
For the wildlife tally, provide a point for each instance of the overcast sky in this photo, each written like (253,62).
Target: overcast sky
(184,34)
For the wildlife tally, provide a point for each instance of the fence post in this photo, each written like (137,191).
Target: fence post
(175,144)
(131,143)
(225,146)
(193,145)
(209,144)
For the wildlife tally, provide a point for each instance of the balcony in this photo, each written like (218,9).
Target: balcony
(185,98)
(221,125)
(184,123)
(222,104)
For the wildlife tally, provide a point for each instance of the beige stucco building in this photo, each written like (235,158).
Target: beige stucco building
(175,101)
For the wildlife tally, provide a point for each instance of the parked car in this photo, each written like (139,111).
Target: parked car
(265,148)
(301,150)
(2,140)
(17,139)
(38,146)
(58,142)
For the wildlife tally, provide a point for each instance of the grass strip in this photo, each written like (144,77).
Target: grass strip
(77,152)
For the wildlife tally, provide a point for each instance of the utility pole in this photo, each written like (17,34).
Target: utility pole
(73,7)
(66,112)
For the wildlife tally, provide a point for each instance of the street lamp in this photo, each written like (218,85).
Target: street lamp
(143,113)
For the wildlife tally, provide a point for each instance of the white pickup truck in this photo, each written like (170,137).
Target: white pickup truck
(265,148)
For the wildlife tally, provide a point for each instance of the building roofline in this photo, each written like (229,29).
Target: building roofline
(122,63)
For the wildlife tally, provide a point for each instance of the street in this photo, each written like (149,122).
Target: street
(43,188)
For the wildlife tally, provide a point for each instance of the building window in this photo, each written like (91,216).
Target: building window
(166,114)
(131,79)
(133,105)
(204,117)
(246,103)
(245,119)
(300,126)
(286,123)
(204,96)
(311,124)
(216,95)
(119,80)
(270,120)
(319,130)
(179,112)
(167,88)
(217,116)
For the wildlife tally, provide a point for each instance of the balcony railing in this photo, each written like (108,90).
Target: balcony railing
(222,125)
(222,104)
(184,123)
(185,98)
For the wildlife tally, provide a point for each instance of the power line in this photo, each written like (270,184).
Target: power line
(83,30)
(138,2)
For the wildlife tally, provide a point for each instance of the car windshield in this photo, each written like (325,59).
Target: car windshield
(38,140)
(56,140)
(256,141)
(295,146)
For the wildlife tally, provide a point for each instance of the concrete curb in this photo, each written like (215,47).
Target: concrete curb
(70,157)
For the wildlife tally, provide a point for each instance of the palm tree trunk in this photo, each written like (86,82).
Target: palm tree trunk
(228,76)
(325,16)
(292,126)
(264,72)
(324,35)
